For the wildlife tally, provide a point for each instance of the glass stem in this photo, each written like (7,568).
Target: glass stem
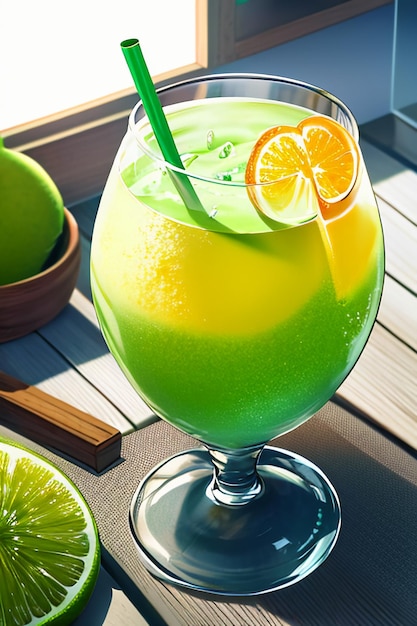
(235,479)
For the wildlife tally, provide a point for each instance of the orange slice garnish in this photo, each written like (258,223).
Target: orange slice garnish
(294,172)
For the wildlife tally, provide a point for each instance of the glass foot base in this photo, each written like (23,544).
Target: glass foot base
(186,537)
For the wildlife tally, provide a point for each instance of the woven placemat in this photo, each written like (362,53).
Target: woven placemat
(370,577)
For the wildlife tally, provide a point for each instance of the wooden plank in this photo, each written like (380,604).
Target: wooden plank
(383,385)
(36,362)
(76,335)
(398,312)
(400,245)
(392,181)
(109,606)
(54,423)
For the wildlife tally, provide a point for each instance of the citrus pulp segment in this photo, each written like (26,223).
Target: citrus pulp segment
(49,547)
(295,172)
(278,175)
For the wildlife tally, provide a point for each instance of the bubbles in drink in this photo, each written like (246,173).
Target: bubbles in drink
(210,139)
(226,150)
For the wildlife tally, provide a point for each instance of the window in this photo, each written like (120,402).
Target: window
(77,145)
(56,56)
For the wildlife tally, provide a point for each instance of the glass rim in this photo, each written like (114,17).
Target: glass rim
(207,78)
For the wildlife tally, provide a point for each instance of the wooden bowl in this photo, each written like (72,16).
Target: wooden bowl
(28,304)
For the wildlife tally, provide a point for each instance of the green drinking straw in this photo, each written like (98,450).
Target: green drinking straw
(146,90)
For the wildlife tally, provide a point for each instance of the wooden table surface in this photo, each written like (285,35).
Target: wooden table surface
(68,358)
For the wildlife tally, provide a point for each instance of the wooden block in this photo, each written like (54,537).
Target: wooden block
(52,422)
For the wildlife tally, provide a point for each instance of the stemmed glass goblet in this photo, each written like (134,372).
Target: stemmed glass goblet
(236,325)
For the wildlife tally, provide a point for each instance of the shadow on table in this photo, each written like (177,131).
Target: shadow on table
(370,576)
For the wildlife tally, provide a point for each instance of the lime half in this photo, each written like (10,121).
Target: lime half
(49,546)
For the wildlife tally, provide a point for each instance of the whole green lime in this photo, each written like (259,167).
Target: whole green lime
(31,215)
